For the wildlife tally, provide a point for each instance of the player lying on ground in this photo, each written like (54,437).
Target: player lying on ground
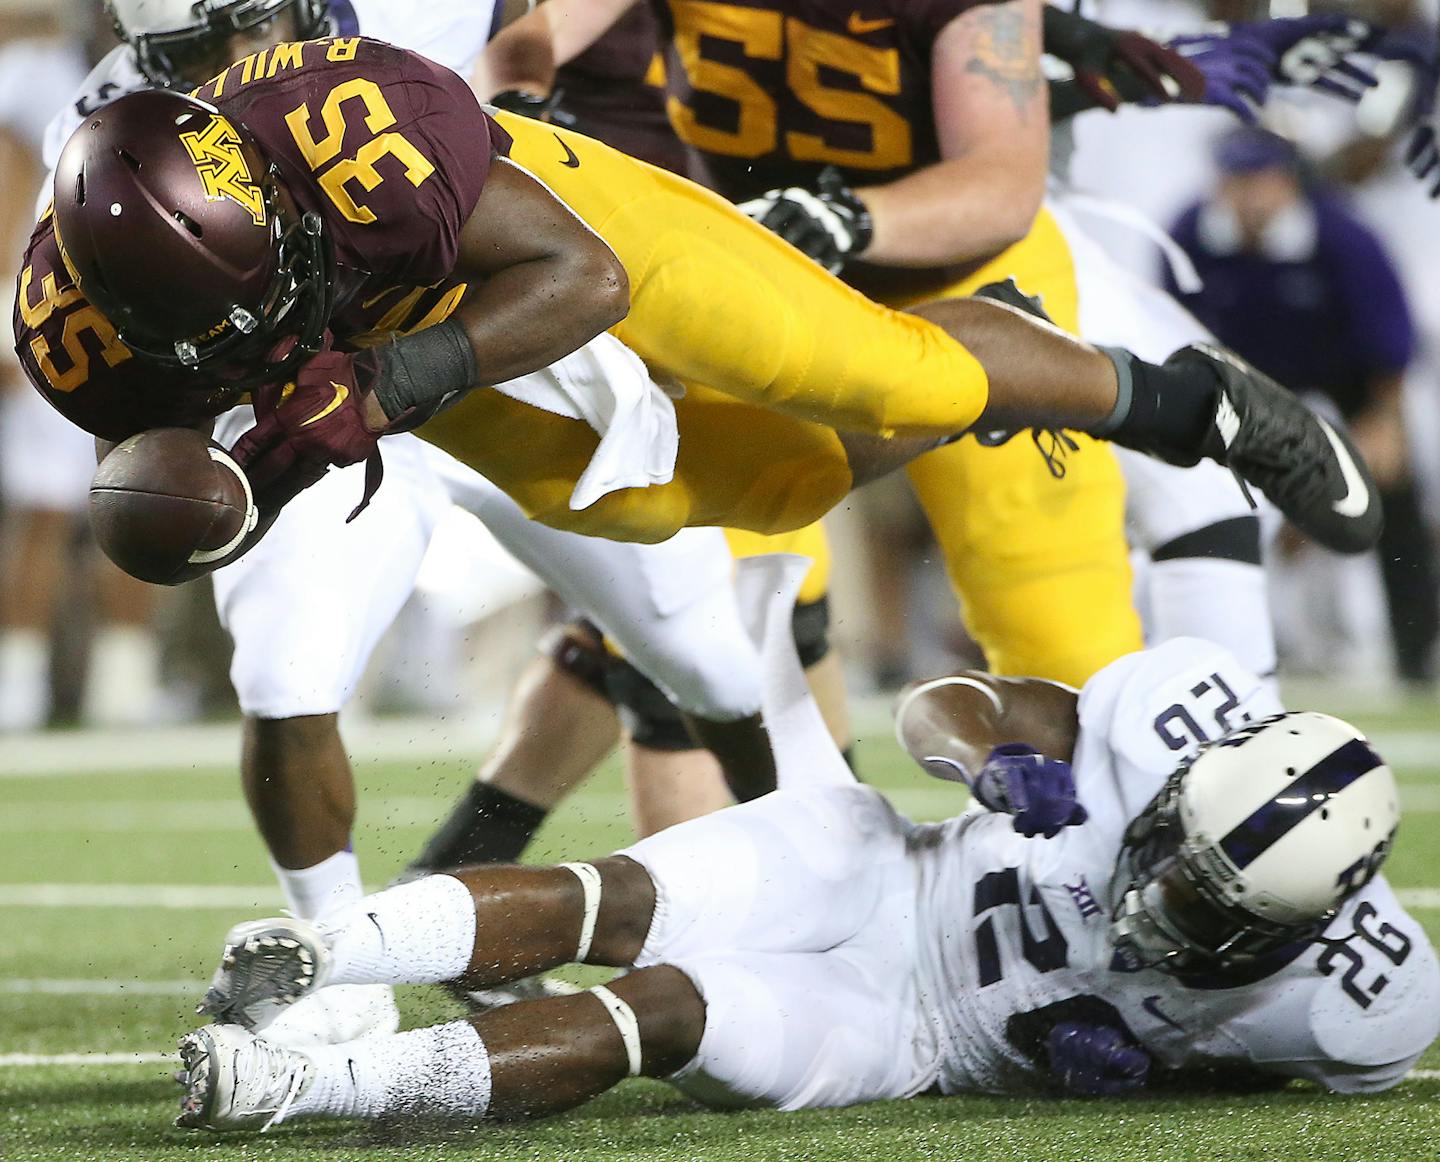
(1203,898)
(357,191)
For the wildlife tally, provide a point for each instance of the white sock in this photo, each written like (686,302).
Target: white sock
(418,933)
(324,890)
(24,679)
(122,687)
(440,1072)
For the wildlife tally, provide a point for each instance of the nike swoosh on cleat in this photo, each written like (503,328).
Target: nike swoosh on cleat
(1356,500)
(859,26)
(1227,420)
(571,161)
(342,393)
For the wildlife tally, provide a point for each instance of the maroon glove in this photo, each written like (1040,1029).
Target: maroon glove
(1138,68)
(304,427)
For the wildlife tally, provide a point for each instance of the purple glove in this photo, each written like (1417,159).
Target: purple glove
(1240,61)
(1096,1060)
(1422,154)
(1018,780)
(1238,70)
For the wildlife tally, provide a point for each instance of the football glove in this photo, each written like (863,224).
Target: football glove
(1242,60)
(304,427)
(1422,152)
(1096,1060)
(830,225)
(1018,780)
(1114,65)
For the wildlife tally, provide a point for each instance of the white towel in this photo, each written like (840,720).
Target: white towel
(608,386)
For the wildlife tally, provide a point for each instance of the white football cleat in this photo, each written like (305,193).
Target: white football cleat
(267,965)
(235,1080)
(334,1015)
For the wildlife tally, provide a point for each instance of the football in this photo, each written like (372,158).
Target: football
(169,505)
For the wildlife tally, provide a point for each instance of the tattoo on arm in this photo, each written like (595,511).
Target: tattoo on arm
(1001,52)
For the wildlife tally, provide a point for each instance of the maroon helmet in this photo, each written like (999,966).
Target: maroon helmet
(169,218)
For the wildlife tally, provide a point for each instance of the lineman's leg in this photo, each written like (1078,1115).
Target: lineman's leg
(672,779)
(558,727)
(1039,561)
(798,341)
(670,608)
(796,871)
(305,609)
(795,339)
(528,1059)
(1204,578)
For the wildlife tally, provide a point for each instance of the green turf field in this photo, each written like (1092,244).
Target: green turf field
(178,863)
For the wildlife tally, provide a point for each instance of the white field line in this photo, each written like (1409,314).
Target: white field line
(214,748)
(58,987)
(172,896)
(31,1060)
(189,816)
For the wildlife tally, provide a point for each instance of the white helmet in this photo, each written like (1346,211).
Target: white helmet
(1253,844)
(177,41)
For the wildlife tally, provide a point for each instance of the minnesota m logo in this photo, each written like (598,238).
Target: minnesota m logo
(223,171)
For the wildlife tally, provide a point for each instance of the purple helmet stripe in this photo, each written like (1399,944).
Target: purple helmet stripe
(1251,837)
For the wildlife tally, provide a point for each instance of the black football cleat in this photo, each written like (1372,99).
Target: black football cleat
(1307,468)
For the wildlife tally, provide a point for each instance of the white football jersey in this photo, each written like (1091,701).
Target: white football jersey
(1015,930)
(450,32)
(36,76)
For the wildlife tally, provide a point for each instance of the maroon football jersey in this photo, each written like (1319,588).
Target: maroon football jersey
(767,93)
(613,92)
(390,149)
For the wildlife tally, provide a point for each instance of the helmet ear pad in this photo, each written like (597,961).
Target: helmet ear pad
(1253,844)
(173,223)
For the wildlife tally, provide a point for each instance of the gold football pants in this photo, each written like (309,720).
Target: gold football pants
(1040,564)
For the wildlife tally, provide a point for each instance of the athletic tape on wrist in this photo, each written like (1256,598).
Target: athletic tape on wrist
(1124,390)
(626,1022)
(589,878)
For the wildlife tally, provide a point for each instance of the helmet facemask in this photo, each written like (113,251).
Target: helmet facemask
(185,57)
(1172,910)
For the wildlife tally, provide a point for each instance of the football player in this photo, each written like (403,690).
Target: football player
(1167,878)
(265,239)
(299,654)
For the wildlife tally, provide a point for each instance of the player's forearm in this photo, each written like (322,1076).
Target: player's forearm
(526,54)
(961,210)
(528,316)
(521,57)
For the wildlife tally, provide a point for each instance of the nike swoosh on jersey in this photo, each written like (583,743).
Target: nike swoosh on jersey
(857,25)
(1357,497)
(1151,1005)
(571,161)
(342,393)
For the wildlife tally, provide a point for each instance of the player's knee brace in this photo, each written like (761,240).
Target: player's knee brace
(811,625)
(648,715)
(653,720)
(578,649)
(1236,539)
